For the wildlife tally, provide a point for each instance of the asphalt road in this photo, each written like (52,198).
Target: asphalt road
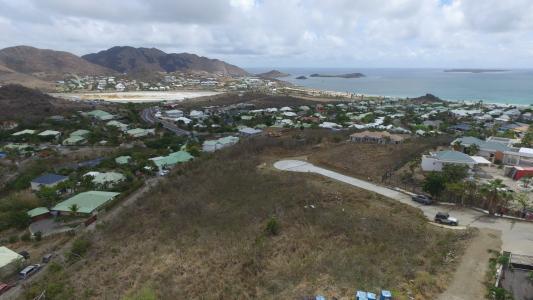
(148,115)
(517,236)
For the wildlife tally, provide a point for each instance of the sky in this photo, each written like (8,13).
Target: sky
(286,33)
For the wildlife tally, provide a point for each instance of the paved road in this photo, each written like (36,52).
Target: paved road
(517,236)
(148,115)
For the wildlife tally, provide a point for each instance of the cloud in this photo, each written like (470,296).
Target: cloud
(286,32)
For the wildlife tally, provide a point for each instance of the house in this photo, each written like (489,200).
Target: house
(435,161)
(106,178)
(47,180)
(100,115)
(77,137)
(87,203)
(74,140)
(492,149)
(163,162)
(9,261)
(140,132)
(213,145)
(117,124)
(123,160)
(376,137)
(24,132)
(38,213)
(50,133)
(174,113)
(247,131)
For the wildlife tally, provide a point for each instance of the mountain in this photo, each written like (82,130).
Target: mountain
(273,74)
(8,76)
(47,64)
(127,59)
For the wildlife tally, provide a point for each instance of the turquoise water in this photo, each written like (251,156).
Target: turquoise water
(512,87)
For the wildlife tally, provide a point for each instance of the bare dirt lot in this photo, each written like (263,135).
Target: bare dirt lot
(372,161)
(473,266)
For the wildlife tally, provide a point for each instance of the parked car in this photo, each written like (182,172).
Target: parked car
(422,199)
(29,271)
(4,287)
(47,258)
(444,218)
(25,254)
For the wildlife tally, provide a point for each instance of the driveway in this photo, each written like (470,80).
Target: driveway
(48,227)
(517,236)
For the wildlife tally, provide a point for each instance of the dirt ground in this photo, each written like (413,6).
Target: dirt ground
(468,280)
(372,161)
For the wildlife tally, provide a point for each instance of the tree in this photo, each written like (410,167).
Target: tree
(472,149)
(48,196)
(526,180)
(434,184)
(74,208)
(454,173)
(495,194)
(457,145)
(523,200)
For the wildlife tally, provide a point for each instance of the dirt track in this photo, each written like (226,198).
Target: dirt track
(468,279)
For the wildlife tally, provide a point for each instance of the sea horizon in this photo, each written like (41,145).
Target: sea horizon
(510,86)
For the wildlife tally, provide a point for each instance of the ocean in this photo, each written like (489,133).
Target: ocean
(508,87)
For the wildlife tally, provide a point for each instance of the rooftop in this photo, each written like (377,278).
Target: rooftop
(86,202)
(49,179)
(37,211)
(7,256)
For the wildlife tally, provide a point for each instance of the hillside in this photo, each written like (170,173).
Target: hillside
(47,64)
(127,59)
(23,104)
(202,234)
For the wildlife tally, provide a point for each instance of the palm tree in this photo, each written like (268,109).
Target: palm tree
(495,194)
(74,208)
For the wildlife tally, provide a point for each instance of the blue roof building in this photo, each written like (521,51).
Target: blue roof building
(48,180)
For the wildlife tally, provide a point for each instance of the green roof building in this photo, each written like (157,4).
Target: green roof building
(74,140)
(87,202)
(80,132)
(117,124)
(172,159)
(23,132)
(140,132)
(123,160)
(100,115)
(38,211)
(50,133)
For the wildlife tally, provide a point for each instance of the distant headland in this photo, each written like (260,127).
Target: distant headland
(349,75)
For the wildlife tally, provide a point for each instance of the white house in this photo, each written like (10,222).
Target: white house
(435,161)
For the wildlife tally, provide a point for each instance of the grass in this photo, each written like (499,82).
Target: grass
(202,234)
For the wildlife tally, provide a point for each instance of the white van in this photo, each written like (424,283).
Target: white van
(29,271)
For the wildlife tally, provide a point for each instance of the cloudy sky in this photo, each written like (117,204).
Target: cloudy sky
(286,33)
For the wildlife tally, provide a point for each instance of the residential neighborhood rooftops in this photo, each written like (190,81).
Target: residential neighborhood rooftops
(7,256)
(49,179)
(38,211)
(86,202)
